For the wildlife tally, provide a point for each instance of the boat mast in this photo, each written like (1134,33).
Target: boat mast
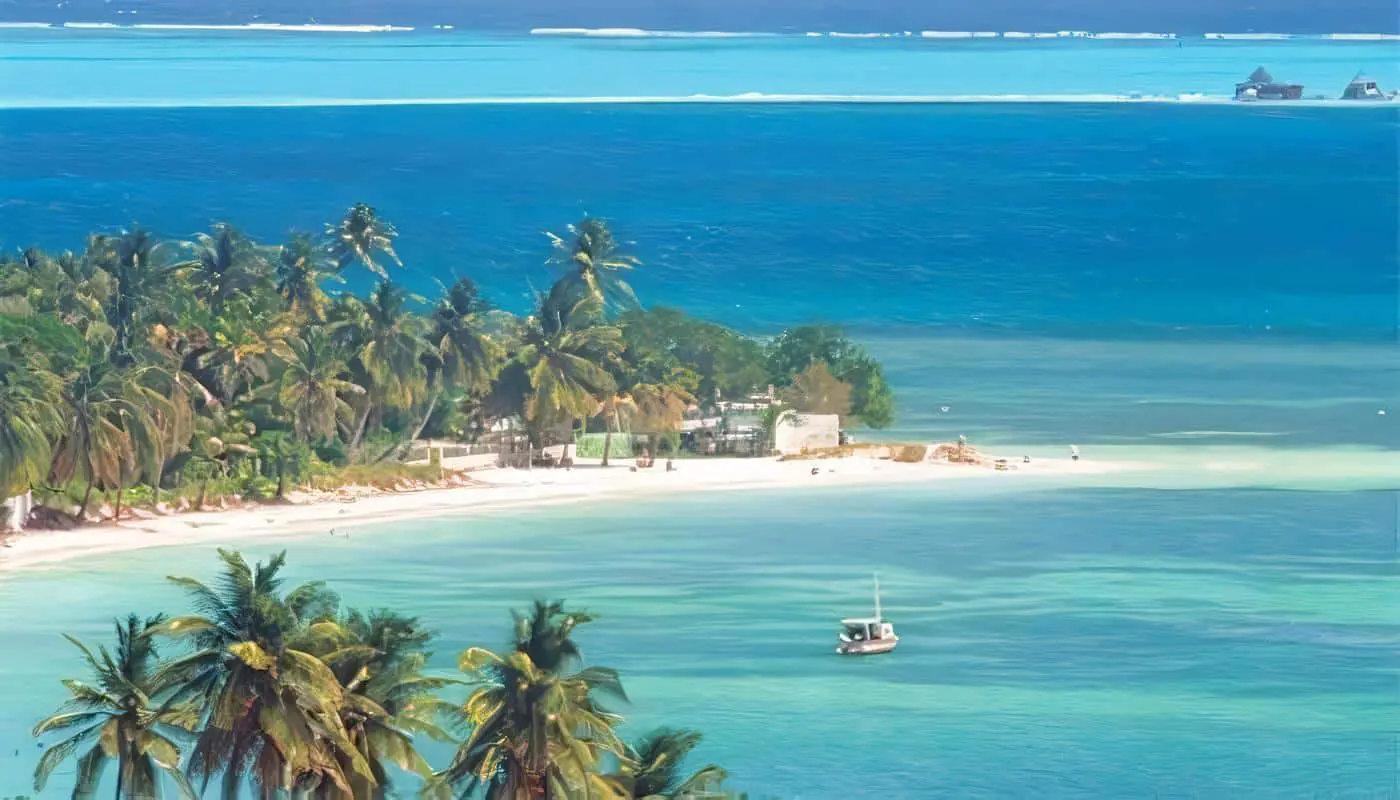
(877,597)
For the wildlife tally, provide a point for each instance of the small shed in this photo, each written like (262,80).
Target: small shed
(797,432)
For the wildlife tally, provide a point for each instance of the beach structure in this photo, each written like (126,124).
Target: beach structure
(1261,86)
(14,512)
(1364,88)
(864,636)
(795,433)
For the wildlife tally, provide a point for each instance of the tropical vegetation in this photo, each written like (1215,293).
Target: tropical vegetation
(273,691)
(136,368)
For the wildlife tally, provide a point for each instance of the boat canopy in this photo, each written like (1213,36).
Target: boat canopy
(862,621)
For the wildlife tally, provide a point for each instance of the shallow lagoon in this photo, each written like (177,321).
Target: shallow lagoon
(1117,642)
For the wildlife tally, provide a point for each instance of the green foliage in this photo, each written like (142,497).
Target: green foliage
(815,390)
(590,445)
(282,688)
(797,349)
(143,366)
(663,339)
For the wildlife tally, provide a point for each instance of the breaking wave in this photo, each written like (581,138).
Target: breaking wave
(642,33)
(638,33)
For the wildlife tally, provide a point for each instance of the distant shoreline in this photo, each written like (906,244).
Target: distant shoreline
(645,33)
(499,490)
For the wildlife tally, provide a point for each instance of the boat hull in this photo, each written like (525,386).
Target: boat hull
(869,648)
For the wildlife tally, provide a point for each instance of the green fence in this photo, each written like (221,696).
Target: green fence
(590,445)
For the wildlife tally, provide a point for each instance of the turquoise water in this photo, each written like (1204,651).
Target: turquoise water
(1055,643)
(64,67)
(1209,289)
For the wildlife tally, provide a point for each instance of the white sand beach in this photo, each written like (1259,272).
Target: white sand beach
(493,489)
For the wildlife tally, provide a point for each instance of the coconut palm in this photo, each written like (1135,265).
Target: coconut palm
(594,260)
(359,236)
(224,267)
(31,402)
(219,439)
(116,718)
(270,710)
(111,429)
(389,347)
(538,730)
(379,660)
(563,349)
(660,405)
(141,268)
(302,265)
(652,769)
(461,355)
(312,389)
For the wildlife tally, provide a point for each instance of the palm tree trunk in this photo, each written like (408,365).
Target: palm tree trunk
(87,497)
(360,429)
(607,445)
(432,405)
(281,478)
(117,515)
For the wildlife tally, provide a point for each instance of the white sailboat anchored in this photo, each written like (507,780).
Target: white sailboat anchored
(864,636)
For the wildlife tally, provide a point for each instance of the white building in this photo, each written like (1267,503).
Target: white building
(16,511)
(798,432)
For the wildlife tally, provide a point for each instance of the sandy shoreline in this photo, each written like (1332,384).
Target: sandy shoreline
(498,489)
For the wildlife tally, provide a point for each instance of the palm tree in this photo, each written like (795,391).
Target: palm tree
(563,349)
(141,269)
(224,267)
(218,440)
(270,710)
(301,267)
(312,388)
(538,730)
(379,660)
(462,357)
(595,260)
(111,429)
(389,346)
(661,405)
(652,769)
(31,399)
(117,715)
(361,234)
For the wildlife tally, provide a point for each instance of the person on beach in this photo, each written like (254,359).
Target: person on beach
(1074,452)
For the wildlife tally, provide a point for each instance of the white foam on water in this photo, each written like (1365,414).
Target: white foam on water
(640,33)
(25,25)
(1250,37)
(91,25)
(1133,35)
(1363,37)
(272,26)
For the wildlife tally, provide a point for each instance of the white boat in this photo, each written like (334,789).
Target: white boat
(866,636)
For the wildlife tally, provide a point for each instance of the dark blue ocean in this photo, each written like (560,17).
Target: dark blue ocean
(1206,291)
(1065,219)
